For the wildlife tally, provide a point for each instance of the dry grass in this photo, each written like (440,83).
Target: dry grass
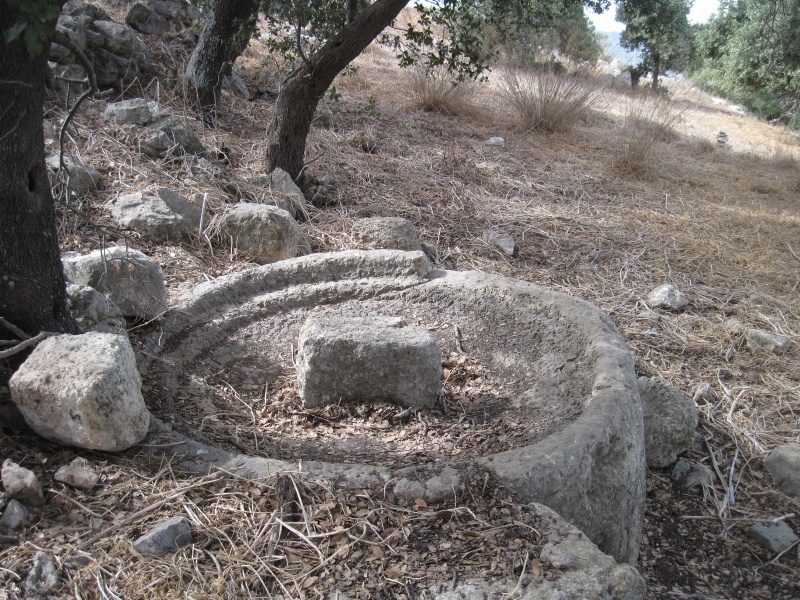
(435,91)
(547,100)
(649,122)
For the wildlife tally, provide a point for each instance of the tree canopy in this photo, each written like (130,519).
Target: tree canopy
(750,53)
(657,28)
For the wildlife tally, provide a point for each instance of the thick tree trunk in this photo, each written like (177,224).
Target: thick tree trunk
(303,89)
(225,35)
(32,290)
(656,70)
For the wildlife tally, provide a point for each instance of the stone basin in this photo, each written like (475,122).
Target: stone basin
(566,371)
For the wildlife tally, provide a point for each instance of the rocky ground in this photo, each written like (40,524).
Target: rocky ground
(720,221)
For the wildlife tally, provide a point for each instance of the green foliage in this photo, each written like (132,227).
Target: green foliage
(750,52)
(660,30)
(35,23)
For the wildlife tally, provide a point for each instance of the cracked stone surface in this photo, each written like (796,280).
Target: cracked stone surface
(557,355)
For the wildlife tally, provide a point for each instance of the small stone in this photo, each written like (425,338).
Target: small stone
(783,463)
(165,537)
(137,111)
(705,394)
(78,474)
(391,233)
(146,21)
(42,578)
(21,484)
(15,516)
(670,418)
(764,341)
(775,537)
(502,241)
(90,308)
(666,296)
(170,137)
(681,470)
(263,233)
(495,141)
(700,475)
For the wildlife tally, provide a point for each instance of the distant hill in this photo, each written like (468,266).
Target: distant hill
(611,45)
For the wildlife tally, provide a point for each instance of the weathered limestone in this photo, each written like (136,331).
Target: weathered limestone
(558,351)
(21,484)
(130,279)
(78,474)
(83,390)
(263,233)
(783,463)
(666,296)
(170,137)
(165,537)
(368,358)
(386,233)
(93,311)
(136,110)
(775,537)
(502,241)
(670,418)
(165,216)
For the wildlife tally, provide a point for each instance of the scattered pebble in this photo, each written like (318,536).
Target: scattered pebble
(15,516)
(783,463)
(77,474)
(495,141)
(42,578)
(666,296)
(775,537)
(165,537)
(502,241)
(21,484)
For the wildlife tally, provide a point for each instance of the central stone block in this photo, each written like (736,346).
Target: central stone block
(368,358)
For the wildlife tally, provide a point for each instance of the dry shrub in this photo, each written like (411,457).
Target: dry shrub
(435,91)
(649,120)
(549,100)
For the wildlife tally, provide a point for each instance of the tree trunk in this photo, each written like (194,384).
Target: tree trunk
(225,35)
(656,70)
(305,87)
(32,290)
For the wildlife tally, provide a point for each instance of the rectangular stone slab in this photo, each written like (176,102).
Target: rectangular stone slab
(368,358)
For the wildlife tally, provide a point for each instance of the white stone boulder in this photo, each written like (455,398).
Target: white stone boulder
(136,110)
(670,418)
(163,217)
(361,359)
(263,233)
(131,279)
(83,390)
(386,233)
(666,296)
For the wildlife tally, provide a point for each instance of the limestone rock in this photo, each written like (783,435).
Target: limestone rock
(165,537)
(147,21)
(263,233)
(502,241)
(166,216)
(361,359)
(775,537)
(495,141)
(93,311)
(136,110)
(117,55)
(670,418)
(21,484)
(42,579)
(386,233)
(170,137)
(130,279)
(91,377)
(783,463)
(179,13)
(666,296)
(81,178)
(764,341)
(15,516)
(235,85)
(277,188)
(78,474)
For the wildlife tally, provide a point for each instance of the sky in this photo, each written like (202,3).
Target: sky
(701,11)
